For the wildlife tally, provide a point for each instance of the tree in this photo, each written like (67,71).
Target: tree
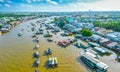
(61,24)
(86,32)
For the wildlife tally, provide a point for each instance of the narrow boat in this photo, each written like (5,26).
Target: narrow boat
(52,62)
(36,47)
(36,54)
(37,62)
(56,61)
(20,34)
(49,62)
(48,51)
(36,70)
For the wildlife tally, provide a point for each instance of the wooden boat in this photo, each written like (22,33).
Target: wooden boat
(37,62)
(48,51)
(52,62)
(36,54)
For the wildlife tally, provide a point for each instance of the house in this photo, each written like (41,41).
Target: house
(102,31)
(117,48)
(115,36)
(76,30)
(84,44)
(84,25)
(14,23)
(69,27)
(103,40)
(95,38)
(3,30)
(69,19)
(3,20)
(6,28)
(106,43)
(79,36)
(111,45)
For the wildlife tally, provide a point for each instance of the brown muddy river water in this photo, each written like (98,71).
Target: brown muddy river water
(16,53)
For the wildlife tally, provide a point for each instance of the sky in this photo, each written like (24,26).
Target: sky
(58,5)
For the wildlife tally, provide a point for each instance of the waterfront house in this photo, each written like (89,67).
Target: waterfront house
(106,43)
(3,30)
(14,23)
(84,44)
(117,48)
(103,40)
(95,38)
(76,30)
(111,45)
(115,36)
(84,25)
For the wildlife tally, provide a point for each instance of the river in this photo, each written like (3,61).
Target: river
(16,52)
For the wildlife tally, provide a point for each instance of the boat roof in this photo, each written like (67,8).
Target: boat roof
(94,60)
(89,53)
(102,65)
(99,64)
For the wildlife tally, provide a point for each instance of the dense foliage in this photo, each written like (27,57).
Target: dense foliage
(61,24)
(114,25)
(86,32)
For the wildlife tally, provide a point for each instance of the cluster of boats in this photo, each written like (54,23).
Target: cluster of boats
(90,58)
(52,62)
(37,56)
(66,42)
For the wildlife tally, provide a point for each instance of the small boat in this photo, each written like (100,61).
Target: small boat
(56,61)
(48,51)
(20,34)
(47,35)
(36,39)
(49,40)
(36,47)
(37,62)
(36,54)
(36,70)
(118,58)
(34,35)
(49,62)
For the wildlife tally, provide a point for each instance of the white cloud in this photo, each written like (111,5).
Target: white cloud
(1,0)
(103,5)
(26,5)
(29,1)
(52,2)
(8,1)
(7,5)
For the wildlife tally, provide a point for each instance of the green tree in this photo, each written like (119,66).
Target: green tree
(61,24)
(86,32)
(1,26)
